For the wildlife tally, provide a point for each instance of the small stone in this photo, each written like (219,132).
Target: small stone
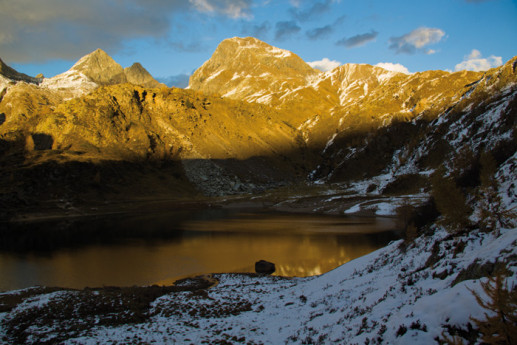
(265,267)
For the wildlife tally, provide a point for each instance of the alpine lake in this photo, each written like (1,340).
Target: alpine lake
(159,248)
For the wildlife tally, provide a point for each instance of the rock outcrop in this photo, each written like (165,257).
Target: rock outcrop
(264,267)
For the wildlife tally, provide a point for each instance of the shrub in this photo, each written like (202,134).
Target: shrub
(405,219)
(500,325)
(450,202)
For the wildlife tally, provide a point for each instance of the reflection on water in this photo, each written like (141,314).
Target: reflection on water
(158,248)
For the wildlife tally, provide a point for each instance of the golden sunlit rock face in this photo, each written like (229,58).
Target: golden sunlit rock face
(352,97)
(126,121)
(249,69)
(253,113)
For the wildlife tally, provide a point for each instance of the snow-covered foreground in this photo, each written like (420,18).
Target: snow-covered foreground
(396,295)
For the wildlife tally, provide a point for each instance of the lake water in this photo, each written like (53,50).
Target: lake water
(158,248)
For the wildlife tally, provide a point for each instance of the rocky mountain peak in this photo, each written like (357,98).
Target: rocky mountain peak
(247,67)
(100,68)
(138,75)
(97,69)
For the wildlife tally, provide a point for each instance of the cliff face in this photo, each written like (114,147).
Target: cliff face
(10,73)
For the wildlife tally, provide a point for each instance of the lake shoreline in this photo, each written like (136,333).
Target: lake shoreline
(336,203)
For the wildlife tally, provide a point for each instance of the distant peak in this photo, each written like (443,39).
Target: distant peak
(100,68)
(245,41)
(98,51)
(251,43)
(138,75)
(97,54)
(137,66)
(238,60)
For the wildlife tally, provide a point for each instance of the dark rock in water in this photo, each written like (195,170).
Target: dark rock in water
(263,266)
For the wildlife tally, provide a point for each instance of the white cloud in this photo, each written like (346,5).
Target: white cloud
(230,8)
(475,62)
(324,64)
(202,5)
(474,54)
(417,40)
(395,67)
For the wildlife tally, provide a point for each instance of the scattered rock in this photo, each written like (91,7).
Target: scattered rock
(265,267)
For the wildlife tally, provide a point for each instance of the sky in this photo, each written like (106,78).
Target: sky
(172,38)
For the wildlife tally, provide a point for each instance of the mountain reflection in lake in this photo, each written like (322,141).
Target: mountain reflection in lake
(147,249)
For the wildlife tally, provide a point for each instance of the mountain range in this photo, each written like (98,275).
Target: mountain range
(254,117)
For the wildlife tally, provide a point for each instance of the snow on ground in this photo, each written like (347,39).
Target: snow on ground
(396,295)
(387,206)
(507,177)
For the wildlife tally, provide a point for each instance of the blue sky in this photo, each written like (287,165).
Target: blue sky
(171,38)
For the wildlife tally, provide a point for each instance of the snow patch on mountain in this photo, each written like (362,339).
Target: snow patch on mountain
(72,81)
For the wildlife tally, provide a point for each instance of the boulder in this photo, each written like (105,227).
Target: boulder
(265,267)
